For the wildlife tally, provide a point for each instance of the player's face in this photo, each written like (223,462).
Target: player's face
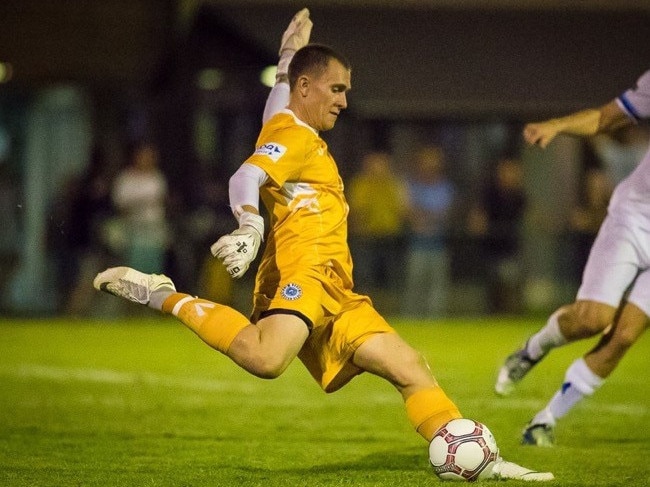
(325,96)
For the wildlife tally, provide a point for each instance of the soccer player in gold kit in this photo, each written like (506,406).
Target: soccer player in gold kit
(304,303)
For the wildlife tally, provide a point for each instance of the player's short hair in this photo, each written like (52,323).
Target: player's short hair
(313,59)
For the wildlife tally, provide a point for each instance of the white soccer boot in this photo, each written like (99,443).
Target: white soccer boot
(513,370)
(133,285)
(504,470)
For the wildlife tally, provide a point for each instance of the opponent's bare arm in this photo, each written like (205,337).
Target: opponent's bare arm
(584,123)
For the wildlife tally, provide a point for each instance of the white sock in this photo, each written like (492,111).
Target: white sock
(158,297)
(579,382)
(545,339)
(544,417)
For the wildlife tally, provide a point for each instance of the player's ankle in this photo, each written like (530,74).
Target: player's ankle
(545,417)
(158,297)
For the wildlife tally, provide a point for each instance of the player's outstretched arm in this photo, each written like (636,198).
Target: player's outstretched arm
(295,36)
(584,123)
(540,133)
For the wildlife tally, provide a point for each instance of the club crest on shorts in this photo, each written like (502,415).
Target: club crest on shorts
(291,291)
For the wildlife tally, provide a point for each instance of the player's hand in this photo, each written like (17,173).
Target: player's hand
(295,36)
(540,134)
(297,33)
(238,249)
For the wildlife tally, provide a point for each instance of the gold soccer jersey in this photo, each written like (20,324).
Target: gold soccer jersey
(306,268)
(305,201)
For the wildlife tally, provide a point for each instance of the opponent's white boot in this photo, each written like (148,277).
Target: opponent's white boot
(513,370)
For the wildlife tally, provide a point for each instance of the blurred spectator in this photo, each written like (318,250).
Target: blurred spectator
(377,199)
(430,200)
(587,216)
(140,195)
(196,227)
(9,236)
(498,220)
(74,233)
(214,217)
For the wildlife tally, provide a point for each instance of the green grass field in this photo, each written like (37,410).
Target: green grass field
(143,402)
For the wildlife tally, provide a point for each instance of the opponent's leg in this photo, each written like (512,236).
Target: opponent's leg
(581,319)
(609,351)
(519,363)
(587,374)
(579,382)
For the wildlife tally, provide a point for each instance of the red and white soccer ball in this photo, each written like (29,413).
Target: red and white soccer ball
(463,449)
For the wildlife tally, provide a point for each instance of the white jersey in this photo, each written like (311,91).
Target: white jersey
(631,198)
(620,255)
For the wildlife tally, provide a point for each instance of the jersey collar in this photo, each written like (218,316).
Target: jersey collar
(298,121)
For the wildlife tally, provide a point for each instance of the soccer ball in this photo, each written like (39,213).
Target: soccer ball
(463,449)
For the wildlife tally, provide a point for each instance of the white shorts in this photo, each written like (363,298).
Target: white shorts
(619,257)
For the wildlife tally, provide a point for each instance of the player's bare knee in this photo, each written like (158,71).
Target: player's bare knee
(266,372)
(268,368)
(258,361)
(590,319)
(415,372)
(420,361)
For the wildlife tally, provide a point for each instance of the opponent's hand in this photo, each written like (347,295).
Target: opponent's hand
(238,249)
(541,134)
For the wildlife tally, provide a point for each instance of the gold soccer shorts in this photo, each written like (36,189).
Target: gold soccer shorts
(339,320)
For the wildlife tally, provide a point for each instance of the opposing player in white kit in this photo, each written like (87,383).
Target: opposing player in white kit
(614,298)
